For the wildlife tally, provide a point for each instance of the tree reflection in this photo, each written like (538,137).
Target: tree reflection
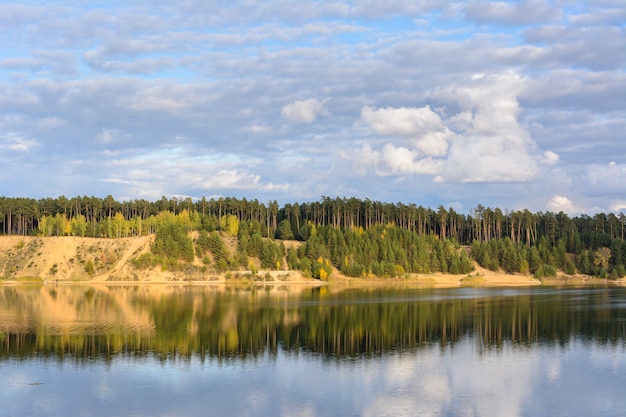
(182,322)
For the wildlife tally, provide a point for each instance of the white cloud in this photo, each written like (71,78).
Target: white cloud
(304,111)
(550,158)
(402,121)
(390,160)
(422,126)
(490,144)
(228,179)
(364,159)
(604,178)
(16,144)
(401,160)
(560,203)
(482,142)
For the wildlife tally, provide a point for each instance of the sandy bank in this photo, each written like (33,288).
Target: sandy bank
(64,260)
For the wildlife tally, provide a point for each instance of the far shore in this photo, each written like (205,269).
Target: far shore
(475,279)
(62,260)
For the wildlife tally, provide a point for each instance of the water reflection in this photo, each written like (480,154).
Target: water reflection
(81,322)
(196,351)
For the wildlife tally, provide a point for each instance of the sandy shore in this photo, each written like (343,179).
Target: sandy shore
(435,280)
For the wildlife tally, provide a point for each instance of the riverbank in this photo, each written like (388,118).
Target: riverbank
(29,259)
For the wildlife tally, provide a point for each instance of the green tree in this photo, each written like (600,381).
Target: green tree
(284,231)
(79,225)
(172,239)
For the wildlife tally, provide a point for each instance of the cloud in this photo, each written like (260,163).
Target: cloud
(607,178)
(506,103)
(363,160)
(560,203)
(16,144)
(227,180)
(402,121)
(614,16)
(518,13)
(111,136)
(482,141)
(491,144)
(421,126)
(575,90)
(618,206)
(304,111)
(550,158)
(404,161)
(598,48)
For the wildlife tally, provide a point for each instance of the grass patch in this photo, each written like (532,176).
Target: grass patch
(476,279)
(29,280)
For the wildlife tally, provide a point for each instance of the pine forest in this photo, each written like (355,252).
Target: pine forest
(359,238)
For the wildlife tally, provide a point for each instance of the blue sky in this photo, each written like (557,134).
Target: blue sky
(505,104)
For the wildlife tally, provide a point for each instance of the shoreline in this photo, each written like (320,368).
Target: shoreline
(493,279)
(27,260)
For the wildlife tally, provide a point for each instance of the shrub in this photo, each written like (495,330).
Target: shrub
(545,271)
(90,269)
(145,261)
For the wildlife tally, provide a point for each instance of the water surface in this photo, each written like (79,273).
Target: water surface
(197,351)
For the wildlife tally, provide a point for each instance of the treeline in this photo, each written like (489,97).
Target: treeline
(382,250)
(359,237)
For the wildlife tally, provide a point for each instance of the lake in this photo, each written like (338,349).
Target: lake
(159,350)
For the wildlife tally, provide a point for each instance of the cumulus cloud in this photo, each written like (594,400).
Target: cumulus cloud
(491,144)
(304,111)
(401,160)
(482,141)
(421,126)
(560,203)
(402,121)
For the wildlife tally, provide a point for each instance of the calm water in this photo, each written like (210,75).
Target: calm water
(204,351)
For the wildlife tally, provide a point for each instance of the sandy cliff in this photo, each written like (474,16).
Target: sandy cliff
(67,258)
(102,260)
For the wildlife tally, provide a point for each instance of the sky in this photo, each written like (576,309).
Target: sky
(515,105)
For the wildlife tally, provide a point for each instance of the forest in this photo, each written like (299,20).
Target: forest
(360,238)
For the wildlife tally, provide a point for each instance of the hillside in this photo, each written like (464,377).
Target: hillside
(65,259)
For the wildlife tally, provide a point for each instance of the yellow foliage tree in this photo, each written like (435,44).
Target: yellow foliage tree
(323,274)
(230,224)
(602,257)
